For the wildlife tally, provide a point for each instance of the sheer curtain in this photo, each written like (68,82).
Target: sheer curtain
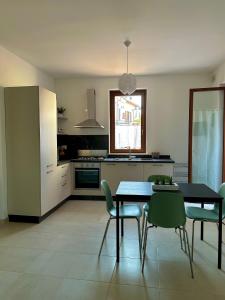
(207,145)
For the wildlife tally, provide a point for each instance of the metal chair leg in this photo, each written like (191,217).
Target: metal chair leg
(184,240)
(143,226)
(139,236)
(192,240)
(181,242)
(106,229)
(189,253)
(144,248)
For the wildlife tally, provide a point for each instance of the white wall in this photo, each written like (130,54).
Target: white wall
(167,108)
(14,72)
(219,75)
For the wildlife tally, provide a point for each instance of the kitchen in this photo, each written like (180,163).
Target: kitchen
(47,257)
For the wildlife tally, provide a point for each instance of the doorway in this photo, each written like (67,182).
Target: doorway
(206,155)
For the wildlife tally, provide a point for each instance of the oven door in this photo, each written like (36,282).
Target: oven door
(87,178)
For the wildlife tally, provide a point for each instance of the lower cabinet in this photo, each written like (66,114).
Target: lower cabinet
(116,172)
(49,193)
(64,184)
(56,187)
(157,169)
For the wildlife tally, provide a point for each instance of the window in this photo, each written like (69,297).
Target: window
(128,122)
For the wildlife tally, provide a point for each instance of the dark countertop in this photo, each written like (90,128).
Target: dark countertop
(62,162)
(124,159)
(138,160)
(127,160)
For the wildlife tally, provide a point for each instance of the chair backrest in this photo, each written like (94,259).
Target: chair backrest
(222,194)
(166,209)
(108,195)
(153,178)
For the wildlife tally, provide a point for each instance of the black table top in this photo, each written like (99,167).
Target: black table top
(142,191)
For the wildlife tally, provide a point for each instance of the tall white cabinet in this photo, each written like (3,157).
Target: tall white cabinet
(31,147)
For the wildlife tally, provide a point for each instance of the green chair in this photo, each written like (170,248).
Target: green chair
(205,215)
(166,209)
(126,211)
(151,178)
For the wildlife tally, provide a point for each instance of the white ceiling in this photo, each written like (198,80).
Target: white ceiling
(85,37)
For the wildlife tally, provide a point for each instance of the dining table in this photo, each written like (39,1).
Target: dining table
(138,191)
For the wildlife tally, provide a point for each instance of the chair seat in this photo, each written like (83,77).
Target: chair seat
(127,211)
(201,214)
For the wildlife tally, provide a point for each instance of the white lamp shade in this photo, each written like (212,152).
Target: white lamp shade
(127,83)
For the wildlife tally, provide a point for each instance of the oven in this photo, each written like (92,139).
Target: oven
(87,175)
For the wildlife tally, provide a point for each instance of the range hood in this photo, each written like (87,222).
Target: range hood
(91,109)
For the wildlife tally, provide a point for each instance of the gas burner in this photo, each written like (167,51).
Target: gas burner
(90,158)
(91,155)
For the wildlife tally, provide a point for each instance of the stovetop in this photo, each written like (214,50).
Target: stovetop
(89,158)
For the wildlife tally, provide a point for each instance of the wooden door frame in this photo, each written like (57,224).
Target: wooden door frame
(112,95)
(191,95)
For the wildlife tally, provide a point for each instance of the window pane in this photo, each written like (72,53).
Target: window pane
(128,122)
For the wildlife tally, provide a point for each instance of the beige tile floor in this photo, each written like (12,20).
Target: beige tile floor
(58,259)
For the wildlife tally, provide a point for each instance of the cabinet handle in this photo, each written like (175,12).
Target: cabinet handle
(63,167)
(132,165)
(63,184)
(110,164)
(49,171)
(48,166)
(63,175)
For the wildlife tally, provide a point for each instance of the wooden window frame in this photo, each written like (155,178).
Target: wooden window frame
(113,94)
(191,98)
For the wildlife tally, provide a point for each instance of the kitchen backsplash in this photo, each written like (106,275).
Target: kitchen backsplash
(75,142)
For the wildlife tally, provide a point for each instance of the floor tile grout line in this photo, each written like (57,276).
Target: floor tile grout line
(103,282)
(111,258)
(110,284)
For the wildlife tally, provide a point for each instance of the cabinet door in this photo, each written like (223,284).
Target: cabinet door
(64,183)
(157,169)
(48,149)
(48,127)
(49,199)
(116,172)
(131,171)
(110,172)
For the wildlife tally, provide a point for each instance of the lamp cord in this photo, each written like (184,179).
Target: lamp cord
(127,60)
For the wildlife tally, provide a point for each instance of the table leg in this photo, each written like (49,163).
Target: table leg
(122,222)
(220,236)
(117,231)
(202,225)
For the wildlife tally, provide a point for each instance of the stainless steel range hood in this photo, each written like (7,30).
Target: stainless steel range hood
(91,108)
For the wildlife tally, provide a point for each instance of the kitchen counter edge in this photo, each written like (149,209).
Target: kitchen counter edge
(111,160)
(115,160)
(63,162)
